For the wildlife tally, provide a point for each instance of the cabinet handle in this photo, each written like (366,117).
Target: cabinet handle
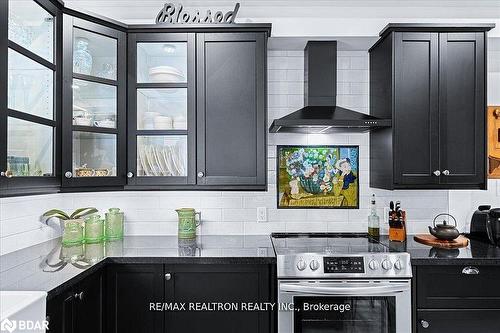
(437,173)
(424,323)
(130,174)
(470,270)
(168,276)
(201,174)
(79,295)
(7,174)
(68,174)
(446,172)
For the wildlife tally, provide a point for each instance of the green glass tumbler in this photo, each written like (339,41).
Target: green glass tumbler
(94,229)
(114,224)
(72,232)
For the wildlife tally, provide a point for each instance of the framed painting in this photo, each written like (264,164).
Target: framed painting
(317,177)
(494,142)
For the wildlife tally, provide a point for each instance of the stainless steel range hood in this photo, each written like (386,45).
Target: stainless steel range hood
(321,113)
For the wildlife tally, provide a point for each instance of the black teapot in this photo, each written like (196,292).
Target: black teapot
(444,231)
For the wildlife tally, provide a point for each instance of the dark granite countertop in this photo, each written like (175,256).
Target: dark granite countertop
(478,252)
(51,267)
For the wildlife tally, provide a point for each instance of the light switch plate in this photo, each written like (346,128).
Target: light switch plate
(261,214)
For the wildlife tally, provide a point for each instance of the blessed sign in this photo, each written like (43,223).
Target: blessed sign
(171,13)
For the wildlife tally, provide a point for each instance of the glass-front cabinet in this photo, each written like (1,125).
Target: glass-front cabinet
(94,103)
(161,119)
(29,112)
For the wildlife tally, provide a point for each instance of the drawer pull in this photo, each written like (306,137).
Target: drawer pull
(424,323)
(470,270)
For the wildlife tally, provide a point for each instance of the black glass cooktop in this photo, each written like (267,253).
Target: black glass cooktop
(326,243)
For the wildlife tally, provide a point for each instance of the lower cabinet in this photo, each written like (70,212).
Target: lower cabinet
(457,298)
(79,309)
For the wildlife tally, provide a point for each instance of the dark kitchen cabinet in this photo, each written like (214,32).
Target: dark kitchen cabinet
(30,109)
(94,105)
(457,298)
(219,284)
(431,81)
(79,309)
(197,109)
(231,119)
(130,290)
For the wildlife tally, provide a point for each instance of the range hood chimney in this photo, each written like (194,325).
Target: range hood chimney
(321,113)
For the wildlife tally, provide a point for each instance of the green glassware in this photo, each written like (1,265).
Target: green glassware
(72,232)
(94,229)
(188,222)
(114,224)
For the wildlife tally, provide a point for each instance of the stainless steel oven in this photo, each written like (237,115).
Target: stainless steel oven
(353,306)
(345,283)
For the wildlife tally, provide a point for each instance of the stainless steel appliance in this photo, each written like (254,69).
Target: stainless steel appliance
(341,283)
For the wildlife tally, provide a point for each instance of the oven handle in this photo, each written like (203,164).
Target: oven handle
(355,290)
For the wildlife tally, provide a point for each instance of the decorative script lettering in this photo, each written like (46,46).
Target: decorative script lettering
(170,13)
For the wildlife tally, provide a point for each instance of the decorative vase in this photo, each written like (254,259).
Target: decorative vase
(72,232)
(82,59)
(114,224)
(94,229)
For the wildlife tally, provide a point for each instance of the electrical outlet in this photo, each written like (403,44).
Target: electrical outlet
(261,214)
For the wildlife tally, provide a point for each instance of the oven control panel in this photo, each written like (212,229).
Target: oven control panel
(343,264)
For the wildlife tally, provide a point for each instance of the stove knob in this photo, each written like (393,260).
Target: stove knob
(314,265)
(398,265)
(373,264)
(301,265)
(386,264)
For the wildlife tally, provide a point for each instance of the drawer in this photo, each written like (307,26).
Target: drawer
(451,287)
(458,321)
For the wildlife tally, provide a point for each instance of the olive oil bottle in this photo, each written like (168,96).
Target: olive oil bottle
(373,219)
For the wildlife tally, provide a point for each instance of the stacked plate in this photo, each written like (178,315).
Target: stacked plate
(165,74)
(159,161)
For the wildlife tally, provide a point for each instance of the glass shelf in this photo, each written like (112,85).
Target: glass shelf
(164,62)
(29,148)
(32,27)
(94,54)
(94,104)
(94,154)
(162,109)
(162,156)
(30,86)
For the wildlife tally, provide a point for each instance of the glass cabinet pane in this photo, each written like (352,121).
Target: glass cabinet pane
(161,62)
(30,86)
(29,148)
(94,154)
(161,109)
(32,27)
(94,104)
(94,54)
(161,156)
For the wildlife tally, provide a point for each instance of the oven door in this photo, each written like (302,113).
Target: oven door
(352,306)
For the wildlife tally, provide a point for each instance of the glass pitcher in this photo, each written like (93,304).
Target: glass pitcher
(188,222)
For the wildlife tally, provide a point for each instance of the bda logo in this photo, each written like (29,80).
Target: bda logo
(8,325)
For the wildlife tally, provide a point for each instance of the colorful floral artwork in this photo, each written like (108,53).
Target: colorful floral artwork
(318,176)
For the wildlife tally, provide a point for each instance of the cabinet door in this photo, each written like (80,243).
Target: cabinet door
(458,321)
(89,304)
(161,149)
(60,313)
(30,72)
(94,105)
(231,79)
(130,290)
(462,108)
(416,109)
(219,284)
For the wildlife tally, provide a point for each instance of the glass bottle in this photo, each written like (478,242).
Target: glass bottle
(373,219)
(94,229)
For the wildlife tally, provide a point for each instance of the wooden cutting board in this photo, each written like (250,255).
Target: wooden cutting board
(430,240)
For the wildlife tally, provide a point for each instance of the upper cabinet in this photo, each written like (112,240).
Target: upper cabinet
(94,104)
(29,109)
(431,81)
(197,109)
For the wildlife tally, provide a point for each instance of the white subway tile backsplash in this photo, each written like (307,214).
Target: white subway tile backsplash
(233,212)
